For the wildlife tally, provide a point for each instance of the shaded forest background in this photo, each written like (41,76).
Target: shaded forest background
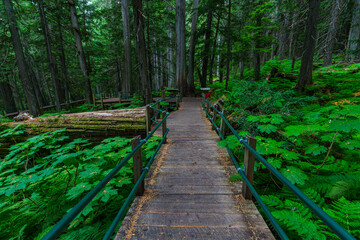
(68,50)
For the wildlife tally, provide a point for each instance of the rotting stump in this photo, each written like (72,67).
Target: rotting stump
(187,194)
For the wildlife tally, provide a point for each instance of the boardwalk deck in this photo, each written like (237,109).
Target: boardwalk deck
(188,195)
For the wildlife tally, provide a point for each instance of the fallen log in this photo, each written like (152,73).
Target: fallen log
(99,124)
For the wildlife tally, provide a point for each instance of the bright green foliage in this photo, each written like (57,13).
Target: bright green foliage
(313,141)
(43,177)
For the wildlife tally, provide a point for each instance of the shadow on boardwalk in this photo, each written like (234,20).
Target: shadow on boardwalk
(188,195)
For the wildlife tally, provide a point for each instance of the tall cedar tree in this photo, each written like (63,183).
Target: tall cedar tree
(305,77)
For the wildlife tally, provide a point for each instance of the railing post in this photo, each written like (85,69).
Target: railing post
(208,107)
(119,97)
(177,102)
(94,99)
(249,162)
(148,119)
(163,95)
(162,99)
(137,165)
(214,119)
(102,101)
(222,124)
(164,128)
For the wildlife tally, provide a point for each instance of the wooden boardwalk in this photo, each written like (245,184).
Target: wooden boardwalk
(188,195)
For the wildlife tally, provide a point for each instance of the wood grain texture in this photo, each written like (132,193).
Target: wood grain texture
(189,196)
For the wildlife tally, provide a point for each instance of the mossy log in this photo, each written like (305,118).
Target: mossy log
(99,124)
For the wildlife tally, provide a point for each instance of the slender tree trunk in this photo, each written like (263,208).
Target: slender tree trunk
(53,75)
(228,57)
(80,51)
(257,46)
(126,86)
(206,47)
(354,35)
(331,34)
(305,77)
(141,50)
(171,82)
(212,59)
(180,45)
(20,60)
(190,76)
(7,97)
(283,36)
(63,65)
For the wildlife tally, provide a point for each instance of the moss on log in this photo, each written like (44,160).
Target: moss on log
(99,124)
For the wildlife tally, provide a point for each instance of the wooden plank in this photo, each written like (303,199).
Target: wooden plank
(204,233)
(192,219)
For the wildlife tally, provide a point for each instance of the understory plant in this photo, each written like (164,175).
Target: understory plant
(43,177)
(313,139)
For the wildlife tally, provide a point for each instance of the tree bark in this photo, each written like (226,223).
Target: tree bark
(354,34)
(212,59)
(180,45)
(228,57)
(141,50)
(171,83)
(206,47)
(7,97)
(190,76)
(331,34)
(305,76)
(80,51)
(126,85)
(64,70)
(53,74)
(20,60)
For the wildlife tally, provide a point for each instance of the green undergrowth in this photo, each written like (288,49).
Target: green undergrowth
(313,139)
(43,177)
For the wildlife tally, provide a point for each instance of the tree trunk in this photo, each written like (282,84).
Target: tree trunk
(354,35)
(64,70)
(141,50)
(171,82)
(212,59)
(180,45)
(20,60)
(126,85)
(331,34)
(228,55)
(283,36)
(53,74)
(305,76)
(190,76)
(80,51)
(206,47)
(7,97)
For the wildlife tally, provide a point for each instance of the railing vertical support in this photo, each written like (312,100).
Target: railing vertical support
(208,107)
(119,97)
(214,119)
(102,101)
(163,99)
(137,165)
(223,124)
(177,102)
(249,162)
(148,118)
(164,128)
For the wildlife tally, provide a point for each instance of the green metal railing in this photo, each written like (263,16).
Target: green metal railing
(334,226)
(75,211)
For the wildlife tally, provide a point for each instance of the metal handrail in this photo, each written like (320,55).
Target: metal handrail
(331,223)
(72,214)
